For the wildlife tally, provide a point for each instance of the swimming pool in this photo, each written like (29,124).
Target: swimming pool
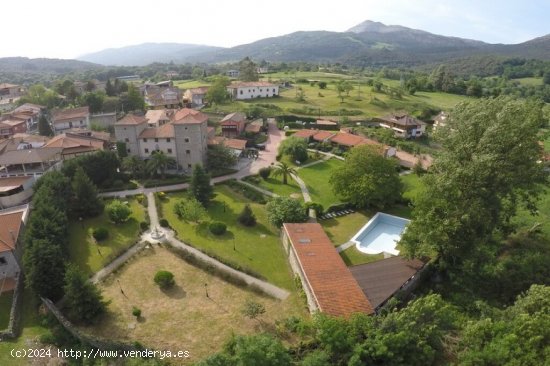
(380,234)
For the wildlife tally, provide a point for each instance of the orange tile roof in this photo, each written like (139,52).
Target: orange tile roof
(9,183)
(334,288)
(253,128)
(72,113)
(326,122)
(305,133)
(235,144)
(347,139)
(323,135)
(189,116)
(10,224)
(164,131)
(67,142)
(131,119)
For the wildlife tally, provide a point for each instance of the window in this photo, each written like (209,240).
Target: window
(156,140)
(188,152)
(241,92)
(261,90)
(273,90)
(126,140)
(144,140)
(128,151)
(3,260)
(189,166)
(167,140)
(147,151)
(169,151)
(186,139)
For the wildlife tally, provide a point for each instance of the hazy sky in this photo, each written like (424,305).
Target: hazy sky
(69,28)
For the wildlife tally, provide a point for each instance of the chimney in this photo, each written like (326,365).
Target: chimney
(13,236)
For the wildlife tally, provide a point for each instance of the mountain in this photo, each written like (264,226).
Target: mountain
(371,44)
(146,53)
(43,65)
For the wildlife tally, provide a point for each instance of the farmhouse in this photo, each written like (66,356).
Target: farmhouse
(12,223)
(195,96)
(29,162)
(10,93)
(233,124)
(11,126)
(403,125)
(252,89)
(73,145)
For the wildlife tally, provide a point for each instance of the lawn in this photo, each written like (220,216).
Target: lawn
(352,256)
(276,185)
(412,186)
(91,257)
(317,177)
(189,84)
(5,308)
(341,229)
(31,330)
(188,319)
(529,81)
(526,221)
(257,248)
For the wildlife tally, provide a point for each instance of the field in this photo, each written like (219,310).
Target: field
(276,186)
(529,81)
(257,248)
(91,257)
(352,256)
(341,229)
(317,177)
(189,320)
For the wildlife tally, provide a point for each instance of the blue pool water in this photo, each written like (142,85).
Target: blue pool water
(380,234)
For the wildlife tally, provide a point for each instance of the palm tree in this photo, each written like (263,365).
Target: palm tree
(159,161)
(133,164)
(284,170)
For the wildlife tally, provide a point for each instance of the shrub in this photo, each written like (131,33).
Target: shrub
(265,172)
(164,279)
(217,228)
(246,217)
(136,312)
(144,225)
(140,198)
(118,211)
(339,207)
(100,233)
(164,223)
(316,206)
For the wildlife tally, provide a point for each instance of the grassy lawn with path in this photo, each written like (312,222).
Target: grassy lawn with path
(341,229)
(189,320)
(317,177)
(276,185)
(83,250)
(257,248)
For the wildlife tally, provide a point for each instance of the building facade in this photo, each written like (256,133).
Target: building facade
(251,90)
(65,119)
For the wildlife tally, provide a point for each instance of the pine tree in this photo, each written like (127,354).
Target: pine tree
(246,217)
(200,186)
(44,128)
(86,202)
(44,268)
(82,297)
(110,89)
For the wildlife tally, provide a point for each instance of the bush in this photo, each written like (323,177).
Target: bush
(100,233)
(339,207)
(246,217)
(164,279)
(217,228)
(265,172)
(118,211)
(164,223)
(246,191)
(136,312)
(316,206)
(144,225)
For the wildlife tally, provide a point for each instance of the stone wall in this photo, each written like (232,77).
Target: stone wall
(12,331)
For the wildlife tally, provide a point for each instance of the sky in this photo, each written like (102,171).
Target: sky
(70,28)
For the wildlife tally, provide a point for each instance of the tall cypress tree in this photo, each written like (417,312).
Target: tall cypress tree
(44,128)
(86,202)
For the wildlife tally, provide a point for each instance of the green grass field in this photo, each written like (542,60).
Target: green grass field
(529,81)
(341,229)
(317,177)
(352,256)
(84,252)
(188,84)
(257,248)
(275,185)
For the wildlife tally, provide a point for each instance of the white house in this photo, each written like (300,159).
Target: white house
(253,89)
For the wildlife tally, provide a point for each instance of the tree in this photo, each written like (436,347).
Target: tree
(164,279)
(246,217)
(199,186)
(82,297)
(284,209)
(220,157)
(110,89)
(101,167)
(322,84)
(190,210)
(368,179)
(217,92)
(132,100)
(159,161)
(44,267)
(118,211)
(134,165)
(294,147)
(94,101)
(253,309)
(488,168)
(546,77)
(85,202)
(44,128)
(265,172)
(282,169)
(248,70)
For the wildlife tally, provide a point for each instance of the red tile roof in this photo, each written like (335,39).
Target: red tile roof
(73,141)
(305,134)
(189,116)
(68,114)
(7,184)
(131,119)
(323,135)
(164,131)
(347,139)
(10,224)
(334,288)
